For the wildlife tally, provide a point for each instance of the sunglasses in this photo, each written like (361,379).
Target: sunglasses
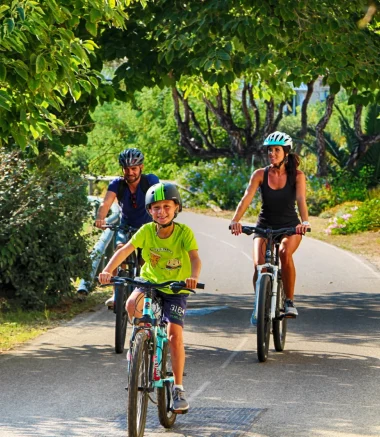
(134,200)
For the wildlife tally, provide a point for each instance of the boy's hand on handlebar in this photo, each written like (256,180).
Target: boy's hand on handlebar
(191,283)
(105,277)
(235,228)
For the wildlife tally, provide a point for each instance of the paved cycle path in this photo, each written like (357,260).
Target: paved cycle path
(69,381)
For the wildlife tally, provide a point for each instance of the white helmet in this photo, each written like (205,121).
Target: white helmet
(278,139)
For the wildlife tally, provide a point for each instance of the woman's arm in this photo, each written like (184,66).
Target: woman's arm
(117,258)
(254,183)
(301,200)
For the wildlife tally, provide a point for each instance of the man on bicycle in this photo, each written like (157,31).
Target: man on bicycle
(170,252)
(130,192)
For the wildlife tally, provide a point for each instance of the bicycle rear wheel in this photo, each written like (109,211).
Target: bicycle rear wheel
(121,295)
(263,318)
(280,324)
(138,386)
(164,394)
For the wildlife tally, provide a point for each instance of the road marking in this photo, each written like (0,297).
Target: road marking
(201,389)
(234,353)
(203,311)
(355,257)
(248,256)
(207,235)
(228,244)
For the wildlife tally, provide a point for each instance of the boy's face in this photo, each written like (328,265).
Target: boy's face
(163,211)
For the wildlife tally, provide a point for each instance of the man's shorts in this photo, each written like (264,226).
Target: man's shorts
(173,306)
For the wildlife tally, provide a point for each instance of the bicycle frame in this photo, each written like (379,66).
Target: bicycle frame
(156,330)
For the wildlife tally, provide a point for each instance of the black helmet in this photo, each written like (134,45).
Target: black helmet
(130,158)
(162,191)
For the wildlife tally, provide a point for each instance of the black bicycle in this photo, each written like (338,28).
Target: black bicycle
(269,310)
(129,268)
(148,358)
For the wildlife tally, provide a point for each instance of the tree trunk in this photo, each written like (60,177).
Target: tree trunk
(320,139)
(303,131)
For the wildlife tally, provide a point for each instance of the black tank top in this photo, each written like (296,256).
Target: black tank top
(278,208)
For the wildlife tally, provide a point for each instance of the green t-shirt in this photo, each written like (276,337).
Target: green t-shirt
(165,259)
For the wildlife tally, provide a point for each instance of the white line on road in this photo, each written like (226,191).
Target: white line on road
(234,353)
(248,256)
(201,389)
(207,235)
(228,244)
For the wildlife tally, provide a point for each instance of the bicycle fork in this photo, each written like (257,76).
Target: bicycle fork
(273,276)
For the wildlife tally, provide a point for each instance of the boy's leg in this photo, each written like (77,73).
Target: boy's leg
(177,351)
(135,303)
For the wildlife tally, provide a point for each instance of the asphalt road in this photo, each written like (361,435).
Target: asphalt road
(69,381)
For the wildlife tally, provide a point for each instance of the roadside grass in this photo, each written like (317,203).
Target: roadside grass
(17,326)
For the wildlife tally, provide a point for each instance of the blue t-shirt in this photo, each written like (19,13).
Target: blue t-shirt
(133,216)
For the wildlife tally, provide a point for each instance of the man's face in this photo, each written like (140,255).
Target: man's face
(132,174)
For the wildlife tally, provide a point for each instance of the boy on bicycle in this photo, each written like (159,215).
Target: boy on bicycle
(170,252)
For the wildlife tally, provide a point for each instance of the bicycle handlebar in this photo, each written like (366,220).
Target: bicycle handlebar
(248,230)
(175,286)
(117,226)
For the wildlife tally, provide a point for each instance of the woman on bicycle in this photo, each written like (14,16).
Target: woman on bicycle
(281,185)
(170,252)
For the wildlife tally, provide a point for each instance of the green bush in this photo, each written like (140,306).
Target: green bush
(365,217)
(345,186)
(222,182)
(42,247)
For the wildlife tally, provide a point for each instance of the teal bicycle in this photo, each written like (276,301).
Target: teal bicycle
(149,358)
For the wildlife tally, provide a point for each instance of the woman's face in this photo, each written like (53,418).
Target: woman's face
(276,154)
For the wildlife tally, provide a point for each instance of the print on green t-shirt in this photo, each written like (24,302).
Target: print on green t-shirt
(165,259)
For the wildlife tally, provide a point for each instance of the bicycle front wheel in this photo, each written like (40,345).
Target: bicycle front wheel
(263,318)
(138,386)
(121,317)
(280,323)
(166,415)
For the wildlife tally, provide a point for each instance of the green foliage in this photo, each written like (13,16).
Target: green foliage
(47,62)
(147,124)
(343,187)
(222,182)
(42,214)
(366,217)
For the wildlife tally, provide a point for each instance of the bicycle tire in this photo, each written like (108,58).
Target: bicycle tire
(121,317)
(280,326)
(138,386)
(263,318)
(164,398)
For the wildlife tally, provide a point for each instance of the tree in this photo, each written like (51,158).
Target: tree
(48,64)
(202,48)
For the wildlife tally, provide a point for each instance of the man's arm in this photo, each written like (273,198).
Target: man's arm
(104,208)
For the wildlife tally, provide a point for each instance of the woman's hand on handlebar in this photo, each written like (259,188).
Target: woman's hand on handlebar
(235,228)
(302,228)
(105,277)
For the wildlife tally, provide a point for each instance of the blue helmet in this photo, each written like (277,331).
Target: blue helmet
(278,139)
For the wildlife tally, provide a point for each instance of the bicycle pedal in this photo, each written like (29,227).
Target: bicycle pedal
(290,316)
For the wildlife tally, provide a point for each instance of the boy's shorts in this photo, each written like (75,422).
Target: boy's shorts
(173,306)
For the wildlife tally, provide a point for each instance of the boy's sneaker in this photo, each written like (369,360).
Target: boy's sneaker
(110,302)
(290,309)
(179,401)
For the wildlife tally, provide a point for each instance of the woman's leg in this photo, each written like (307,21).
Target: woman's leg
(288,246)
(259,245)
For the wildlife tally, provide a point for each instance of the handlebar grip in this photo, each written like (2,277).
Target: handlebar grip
(200,286)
